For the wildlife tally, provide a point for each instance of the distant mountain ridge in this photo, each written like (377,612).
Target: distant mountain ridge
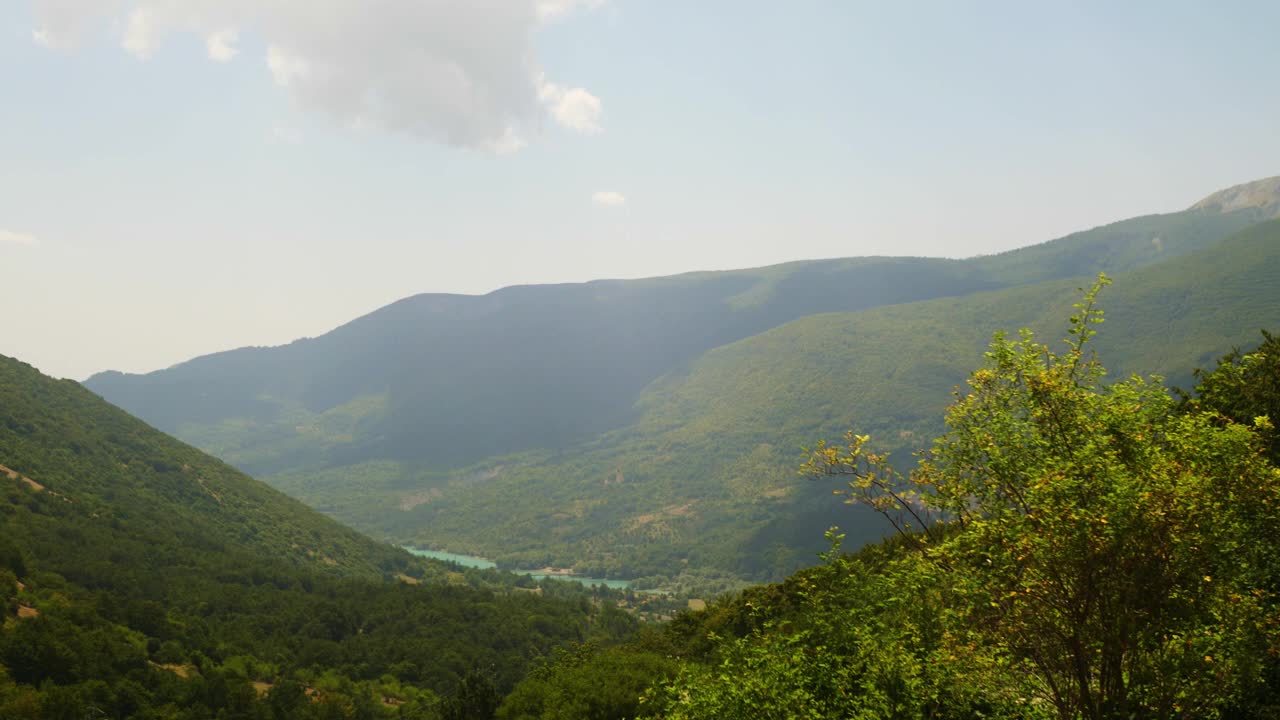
(451,379)
(400,421)
(455,378)
(707,474)
(1262,195)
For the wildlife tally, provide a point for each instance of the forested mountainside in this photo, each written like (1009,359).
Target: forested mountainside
(707,473)
(1074,545)
(659,420)
(141,578)
(1093,524)
(448,380)
(106,462)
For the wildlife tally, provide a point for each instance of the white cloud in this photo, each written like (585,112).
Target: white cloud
(552,9)
(222,45)
(8,237)
(609,198)
(285,68)
(573,108)
(141,34)
(460,72)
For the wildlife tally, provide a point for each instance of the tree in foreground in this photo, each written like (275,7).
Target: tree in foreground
(1244,386)
(1090,550)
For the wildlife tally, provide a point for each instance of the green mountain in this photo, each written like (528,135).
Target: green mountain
(1092,519)
(141,578)
(651,427)
(446,380)
(70,444)
(707,473)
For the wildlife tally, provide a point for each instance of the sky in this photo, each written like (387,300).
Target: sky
(179,177)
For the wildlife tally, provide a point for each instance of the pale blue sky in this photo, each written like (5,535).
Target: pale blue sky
(156,204)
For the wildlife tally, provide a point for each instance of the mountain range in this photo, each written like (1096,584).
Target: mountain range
(652,428)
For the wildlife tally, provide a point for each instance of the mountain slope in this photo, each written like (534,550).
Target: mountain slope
(1260,195)
(707,473)
(423,420)
(443,381)
(105,461)
(143,579)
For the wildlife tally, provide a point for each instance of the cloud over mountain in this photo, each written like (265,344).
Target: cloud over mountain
(460,72)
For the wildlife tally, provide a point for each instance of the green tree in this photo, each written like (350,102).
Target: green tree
(585,682)
(287,699)
(1244,386)
(476,697)
(1094,550)
(11,557)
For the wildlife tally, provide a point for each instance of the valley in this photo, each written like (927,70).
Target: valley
(625,360)
(649,430)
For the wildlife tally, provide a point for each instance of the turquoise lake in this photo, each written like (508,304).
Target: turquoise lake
(472,561)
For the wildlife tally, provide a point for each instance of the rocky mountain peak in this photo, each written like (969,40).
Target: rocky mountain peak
(1263,194)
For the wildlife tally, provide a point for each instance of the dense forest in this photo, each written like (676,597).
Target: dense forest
(143,579)
(1070,547)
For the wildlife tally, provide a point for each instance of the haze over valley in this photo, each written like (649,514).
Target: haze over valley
(652,427)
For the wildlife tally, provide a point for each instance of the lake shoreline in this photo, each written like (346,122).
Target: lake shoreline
(553,573)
